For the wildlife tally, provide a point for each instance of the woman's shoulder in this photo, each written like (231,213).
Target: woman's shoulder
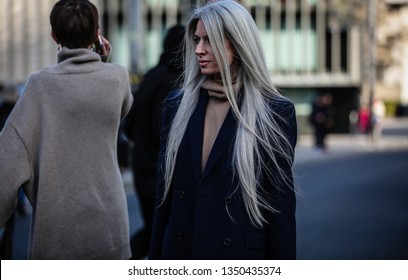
(172,102)
(114,71)
(282,105)
(115,67)
(174,95)
(174,98)
(170,106)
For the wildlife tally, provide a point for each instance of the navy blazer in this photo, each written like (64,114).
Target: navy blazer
(204,216)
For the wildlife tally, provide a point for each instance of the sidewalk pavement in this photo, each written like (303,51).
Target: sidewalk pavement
(394,136)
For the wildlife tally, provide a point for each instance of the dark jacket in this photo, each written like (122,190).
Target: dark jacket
(5,110)
(143,123)
(204,216)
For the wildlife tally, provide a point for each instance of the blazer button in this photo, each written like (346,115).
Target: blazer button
(227,242)
(182,194)
(180,236)
(228,200)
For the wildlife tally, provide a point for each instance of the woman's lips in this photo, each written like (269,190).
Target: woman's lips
(203,63)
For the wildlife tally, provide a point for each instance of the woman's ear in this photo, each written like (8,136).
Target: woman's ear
(54,37)
(98,33)
(56,40)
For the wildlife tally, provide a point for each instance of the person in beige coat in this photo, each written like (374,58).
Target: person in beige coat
(59,144)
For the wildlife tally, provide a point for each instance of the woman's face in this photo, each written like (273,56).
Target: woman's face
(204,51)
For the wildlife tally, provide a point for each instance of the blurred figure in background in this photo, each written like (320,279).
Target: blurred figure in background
(321,119)
(378,115)
(143,129)
(8,98)
(364,119)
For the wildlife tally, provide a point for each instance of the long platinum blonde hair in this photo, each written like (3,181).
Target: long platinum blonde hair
(257,130)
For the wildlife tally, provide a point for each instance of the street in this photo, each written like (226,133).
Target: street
(352,202)
(353,208)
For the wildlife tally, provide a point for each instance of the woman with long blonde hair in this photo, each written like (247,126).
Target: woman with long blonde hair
(225,170)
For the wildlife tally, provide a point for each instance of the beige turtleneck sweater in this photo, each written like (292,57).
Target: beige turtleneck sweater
(217,109)
(60,143)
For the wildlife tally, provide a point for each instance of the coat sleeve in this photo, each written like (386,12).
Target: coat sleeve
(14,170)
(282,227)
(128,97)
(162,210)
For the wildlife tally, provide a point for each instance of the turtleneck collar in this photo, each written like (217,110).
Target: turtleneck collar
(216,89)
(75,61)
(79,55)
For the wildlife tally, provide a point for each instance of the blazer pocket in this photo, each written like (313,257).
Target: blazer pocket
(255,240)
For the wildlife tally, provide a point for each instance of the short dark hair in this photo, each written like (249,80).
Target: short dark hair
(75,23)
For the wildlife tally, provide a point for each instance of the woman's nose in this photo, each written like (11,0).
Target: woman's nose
(199,49)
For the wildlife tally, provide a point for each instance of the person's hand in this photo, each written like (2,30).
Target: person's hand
(106,49)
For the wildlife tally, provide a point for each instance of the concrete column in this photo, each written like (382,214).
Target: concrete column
(404,80)
(321,35)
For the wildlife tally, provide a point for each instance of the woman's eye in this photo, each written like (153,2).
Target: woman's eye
(196,40)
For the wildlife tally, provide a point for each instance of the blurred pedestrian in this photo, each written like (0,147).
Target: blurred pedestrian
(143,129)
(364,119)
(59,143)
(8,98)
(378,115)
(322,120)
(225,188)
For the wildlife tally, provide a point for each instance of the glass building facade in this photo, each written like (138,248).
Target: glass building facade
(308,49)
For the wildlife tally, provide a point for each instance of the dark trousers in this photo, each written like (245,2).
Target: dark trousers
(145,190)
(6,245)
(320,137)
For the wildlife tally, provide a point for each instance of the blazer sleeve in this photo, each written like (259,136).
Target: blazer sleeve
(14,170)
(282,227)
(162,210)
